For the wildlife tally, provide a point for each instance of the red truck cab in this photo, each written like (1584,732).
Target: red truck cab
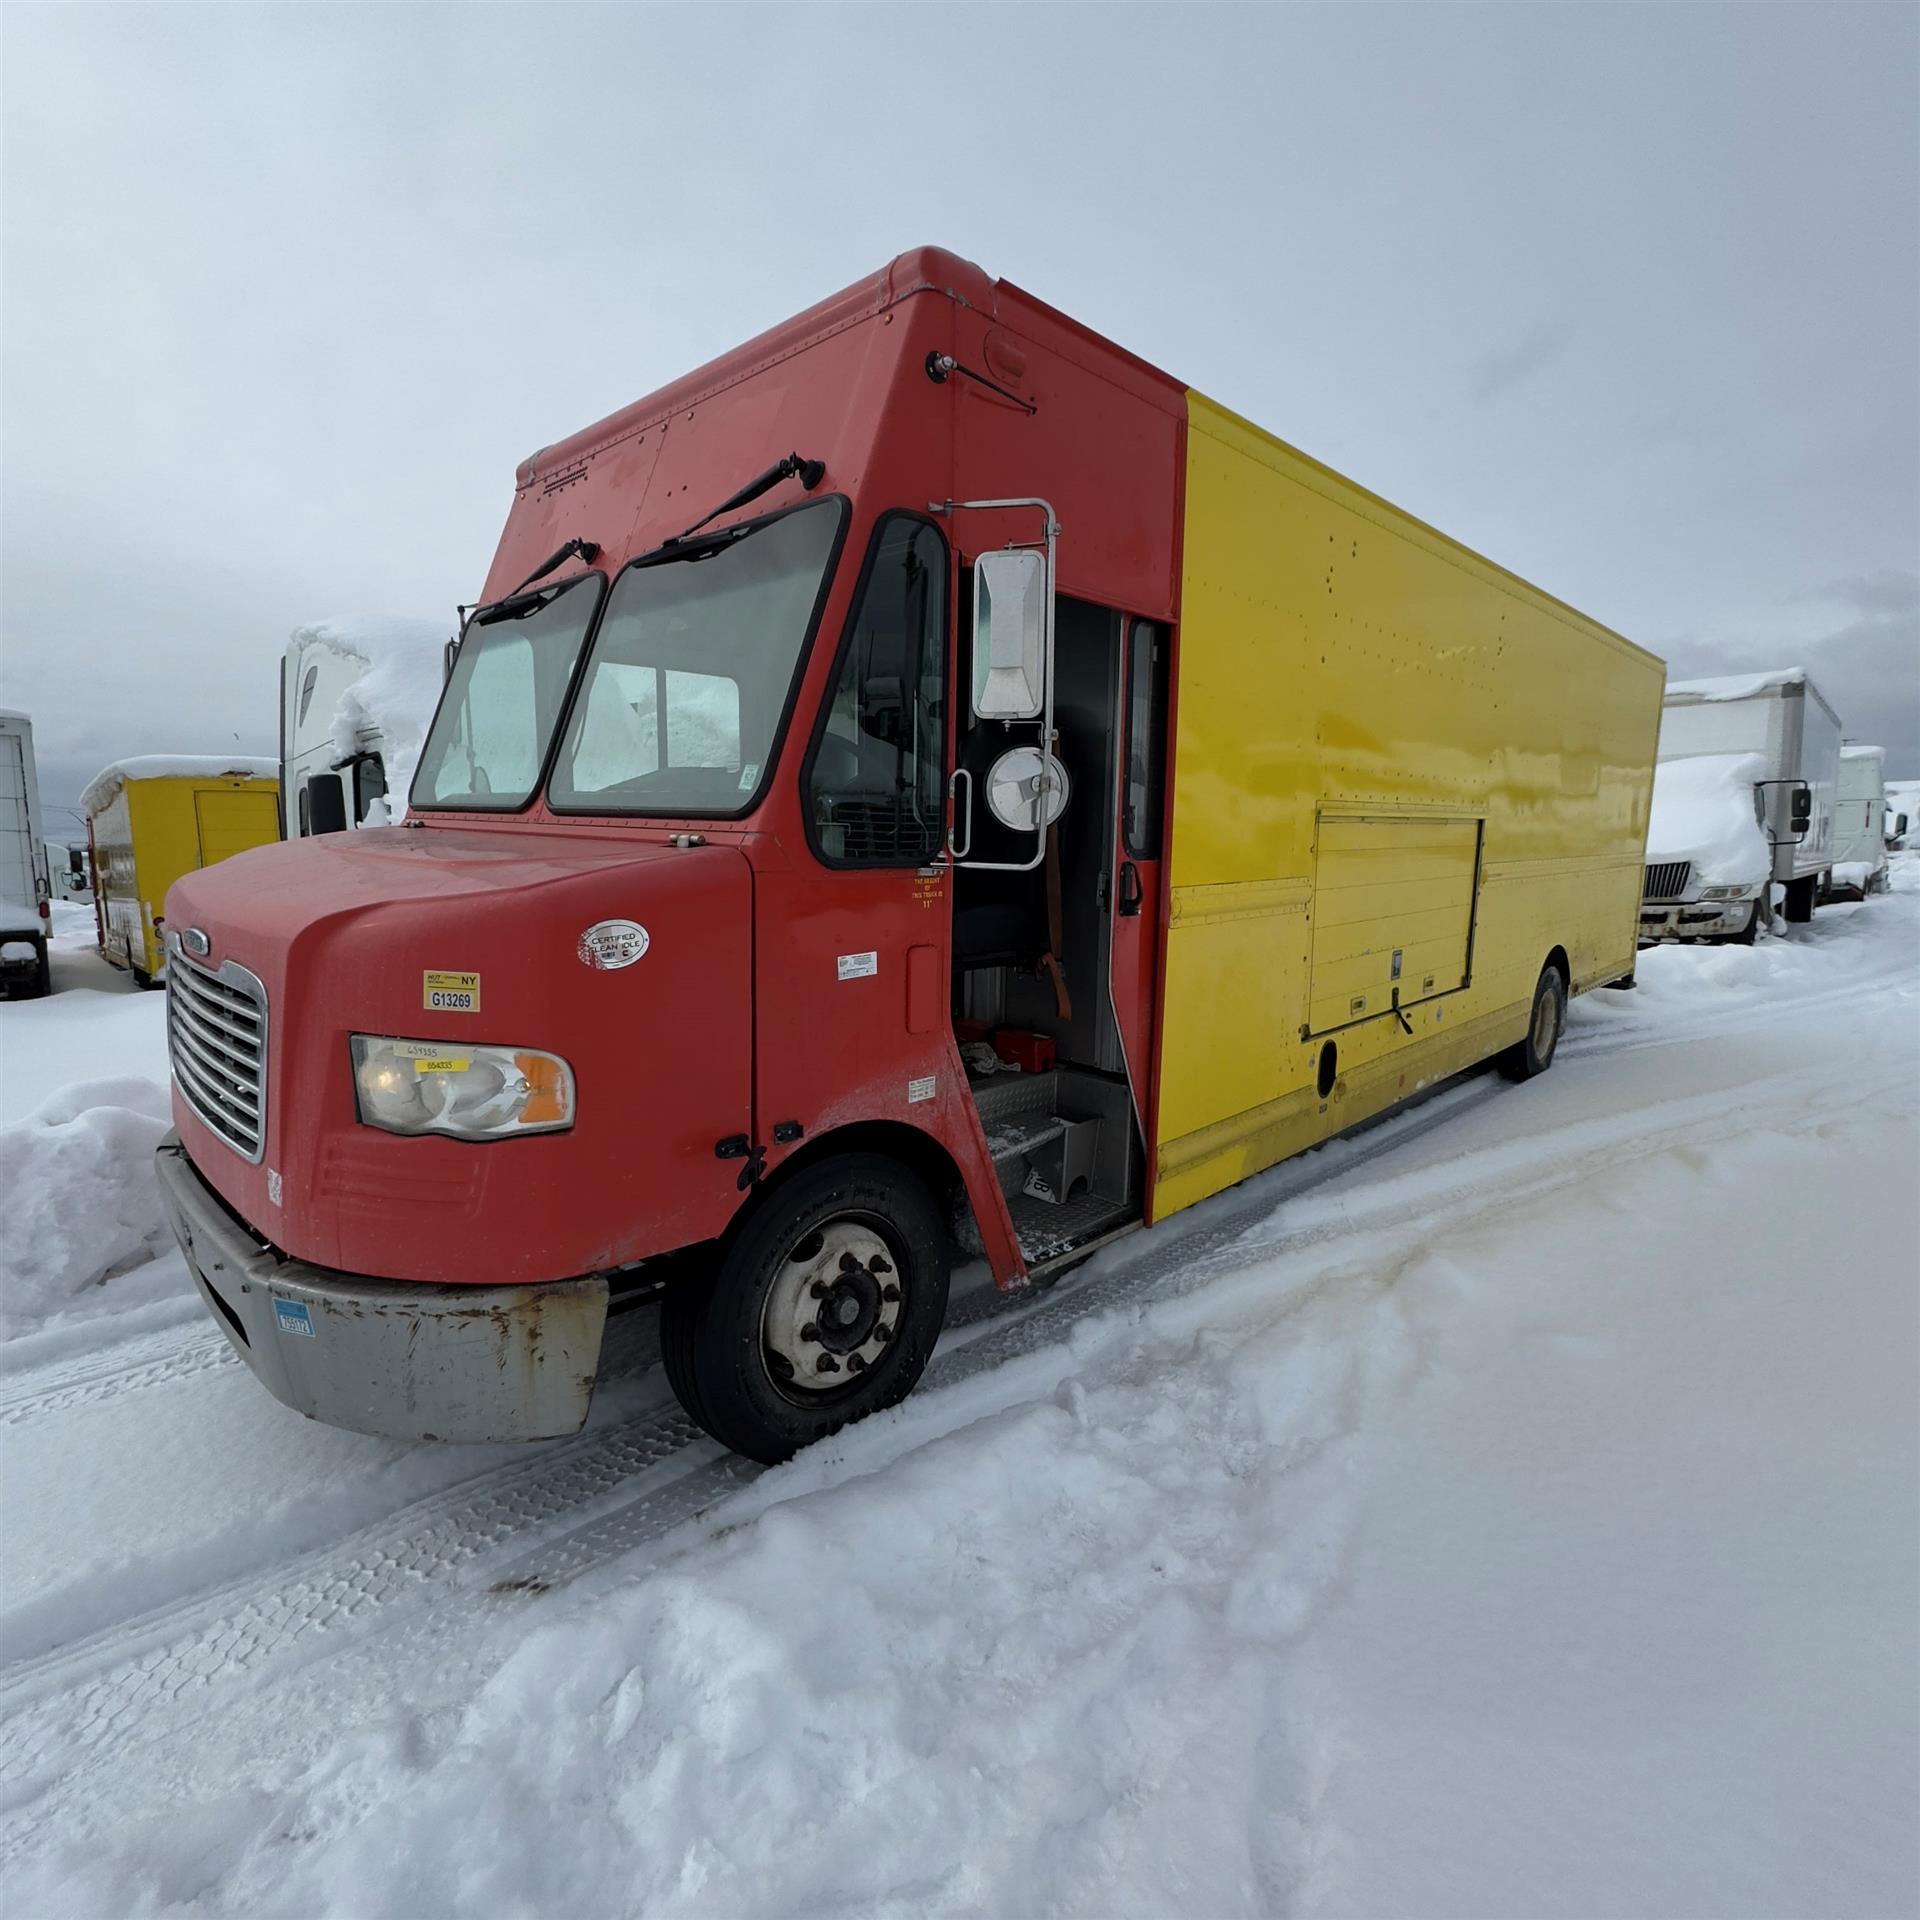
(716,858)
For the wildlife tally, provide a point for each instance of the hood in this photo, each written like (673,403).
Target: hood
(1703,813)
(454,935)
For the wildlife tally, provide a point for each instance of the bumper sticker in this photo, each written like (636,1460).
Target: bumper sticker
(291,1316)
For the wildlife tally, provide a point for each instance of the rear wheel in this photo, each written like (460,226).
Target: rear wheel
(823,1310)
(1534,1054)
(1798,906)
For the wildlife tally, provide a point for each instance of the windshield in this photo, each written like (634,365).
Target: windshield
(489,738)
(684,691)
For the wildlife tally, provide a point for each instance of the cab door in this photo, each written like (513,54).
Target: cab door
(1137,884)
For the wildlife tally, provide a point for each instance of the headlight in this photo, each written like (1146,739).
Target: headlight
(1727,893)
(473,1093)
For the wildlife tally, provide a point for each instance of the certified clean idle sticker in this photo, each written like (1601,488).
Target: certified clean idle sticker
(859,966)
(608,945)
(450,992)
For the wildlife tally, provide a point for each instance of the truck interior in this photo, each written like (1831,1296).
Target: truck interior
(1032,1001)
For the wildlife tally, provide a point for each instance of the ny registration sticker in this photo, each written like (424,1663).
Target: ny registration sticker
(450,992)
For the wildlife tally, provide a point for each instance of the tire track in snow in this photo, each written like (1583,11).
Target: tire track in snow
(132,1366)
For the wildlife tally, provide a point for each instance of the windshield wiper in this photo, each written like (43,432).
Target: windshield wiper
(508,606)
(810,473)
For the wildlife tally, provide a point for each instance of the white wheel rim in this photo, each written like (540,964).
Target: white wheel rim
(1546,1024)
(834,1307)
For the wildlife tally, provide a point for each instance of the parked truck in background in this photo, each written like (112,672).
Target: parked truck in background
(1743,801)
(356,698)
(927,774)
(154,817)
(25,970)
(1860,825)
(1903,812)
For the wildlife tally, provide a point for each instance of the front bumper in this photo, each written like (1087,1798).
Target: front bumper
(1693,919)
(382,1356)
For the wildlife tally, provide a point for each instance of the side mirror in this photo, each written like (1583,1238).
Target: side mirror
(1012,623)
(369,784)
(1802,809)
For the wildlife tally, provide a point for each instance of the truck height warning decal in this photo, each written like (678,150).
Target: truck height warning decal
(450,992)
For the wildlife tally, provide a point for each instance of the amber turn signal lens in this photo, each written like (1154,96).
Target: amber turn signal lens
(546,1089)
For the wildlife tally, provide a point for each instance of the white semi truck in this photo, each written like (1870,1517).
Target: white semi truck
(24,892)
(356,698)
(1744,800)
(1860,825)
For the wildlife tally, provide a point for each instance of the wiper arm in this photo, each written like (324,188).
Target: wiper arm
(588,550)
(810,473)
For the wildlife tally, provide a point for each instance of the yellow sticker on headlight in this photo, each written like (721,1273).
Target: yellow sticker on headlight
(450,992)
(447,1063)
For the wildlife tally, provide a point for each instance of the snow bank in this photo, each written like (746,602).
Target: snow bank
(105,784)
(1703,813)
(394,698)
(82,1203)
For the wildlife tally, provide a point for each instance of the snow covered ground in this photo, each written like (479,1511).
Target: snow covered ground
(1514,1509)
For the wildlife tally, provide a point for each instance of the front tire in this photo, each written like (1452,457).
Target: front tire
(1534,1053)
(823,1310)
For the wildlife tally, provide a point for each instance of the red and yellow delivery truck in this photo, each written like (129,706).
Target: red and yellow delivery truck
(926,775)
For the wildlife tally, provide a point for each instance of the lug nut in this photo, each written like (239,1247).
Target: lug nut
(849,1263)
(826,1364)
(884,1331)
(889,1293)
(810,1331)
(880,1264)
(855,1364)
(818,1290)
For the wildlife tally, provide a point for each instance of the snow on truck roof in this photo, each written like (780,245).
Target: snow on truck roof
(376,637)
(1738,686)
(105,784)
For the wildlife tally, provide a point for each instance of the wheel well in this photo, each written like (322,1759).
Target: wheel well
(920,1151)
(1557,959)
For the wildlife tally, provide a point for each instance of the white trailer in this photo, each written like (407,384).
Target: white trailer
(1768,741)
(24,892)
(356,699)
(1860,825)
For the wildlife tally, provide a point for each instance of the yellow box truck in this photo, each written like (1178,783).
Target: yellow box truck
(158,816)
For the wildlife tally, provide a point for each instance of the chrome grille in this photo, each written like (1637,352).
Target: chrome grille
(1667,880)
(217,1040)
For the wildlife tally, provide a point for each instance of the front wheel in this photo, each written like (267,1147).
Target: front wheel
(823,1310)
(1534,1054)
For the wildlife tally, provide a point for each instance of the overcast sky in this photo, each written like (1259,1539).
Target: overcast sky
(1627,297)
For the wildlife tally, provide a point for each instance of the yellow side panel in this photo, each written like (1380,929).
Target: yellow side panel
(1382,743)
(1392,912)
(232,819)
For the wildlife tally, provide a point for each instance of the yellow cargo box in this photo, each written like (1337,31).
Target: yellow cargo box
(1405,784)
(156,817)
